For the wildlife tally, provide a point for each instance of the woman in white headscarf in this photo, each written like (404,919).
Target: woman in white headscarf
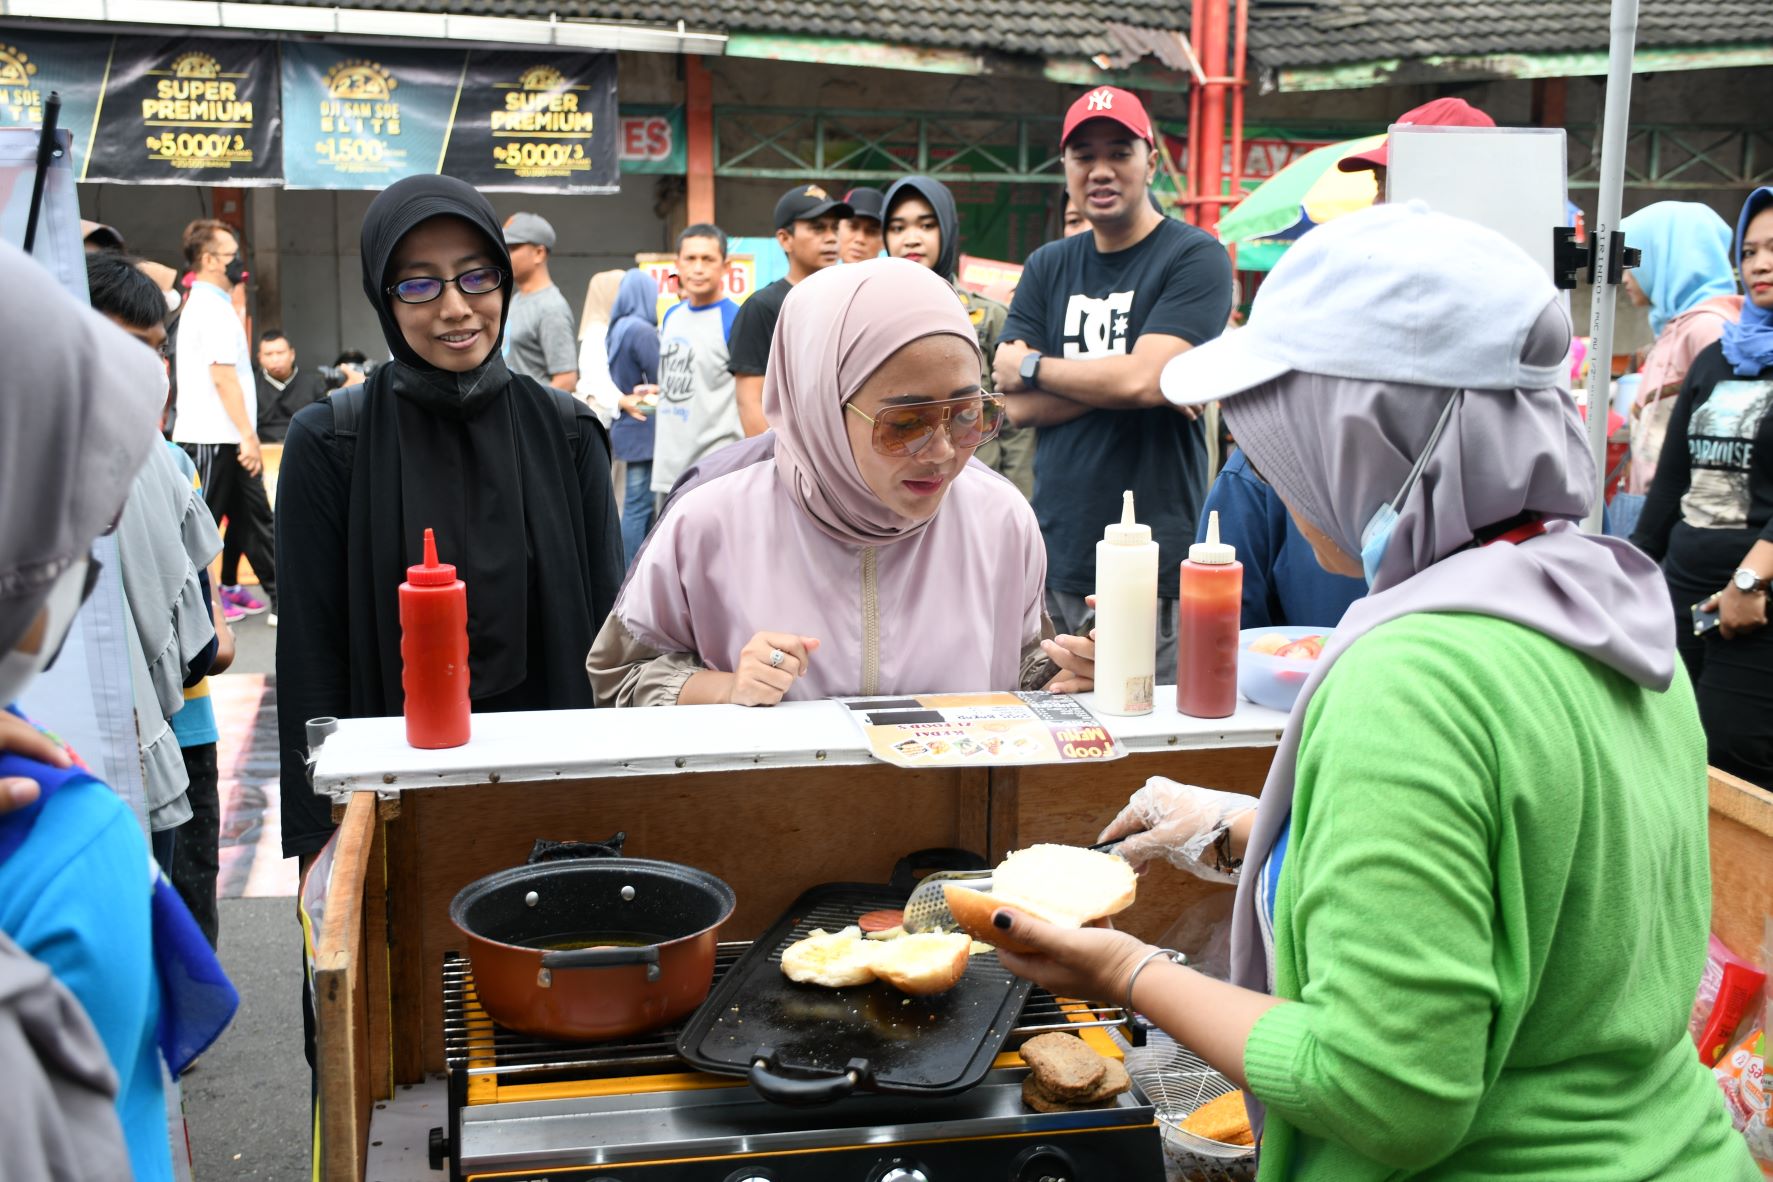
(1473,900)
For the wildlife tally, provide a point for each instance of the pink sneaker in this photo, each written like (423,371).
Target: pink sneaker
(242,600)
(230,613)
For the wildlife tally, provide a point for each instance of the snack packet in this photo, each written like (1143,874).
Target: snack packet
(1728,989)
(1743,1077)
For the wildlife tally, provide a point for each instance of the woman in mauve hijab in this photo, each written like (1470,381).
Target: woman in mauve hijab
(869,556)
(514,478)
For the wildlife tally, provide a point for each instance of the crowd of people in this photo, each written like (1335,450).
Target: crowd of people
(867,479)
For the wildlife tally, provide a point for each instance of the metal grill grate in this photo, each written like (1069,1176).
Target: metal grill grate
(475,1044)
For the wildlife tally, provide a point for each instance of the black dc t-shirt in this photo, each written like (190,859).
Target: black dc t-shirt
(1075,302)
(748,350)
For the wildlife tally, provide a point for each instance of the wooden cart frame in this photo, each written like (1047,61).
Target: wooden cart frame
(770,833)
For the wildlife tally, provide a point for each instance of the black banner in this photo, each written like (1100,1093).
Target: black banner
(182,110)
(540,122)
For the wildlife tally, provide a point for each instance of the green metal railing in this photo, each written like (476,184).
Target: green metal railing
(777,143)
(1669,157)
(780,143)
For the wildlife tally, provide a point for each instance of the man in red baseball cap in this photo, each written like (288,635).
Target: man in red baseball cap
(1094,319)
(1442,112)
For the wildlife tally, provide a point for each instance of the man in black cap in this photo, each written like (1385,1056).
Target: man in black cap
(859,236)
(806,229)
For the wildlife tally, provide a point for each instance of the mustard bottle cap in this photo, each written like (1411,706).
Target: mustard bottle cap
(1126,531)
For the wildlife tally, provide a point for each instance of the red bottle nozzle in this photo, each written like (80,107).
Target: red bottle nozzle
(431,573)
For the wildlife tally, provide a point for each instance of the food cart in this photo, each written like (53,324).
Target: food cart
(773,802)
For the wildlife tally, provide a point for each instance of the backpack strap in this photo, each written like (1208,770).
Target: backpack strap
(568,407)
(347,411)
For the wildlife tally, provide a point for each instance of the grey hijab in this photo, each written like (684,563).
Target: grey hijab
(59,1122)
(1336,449)
(77,416)
(165,535)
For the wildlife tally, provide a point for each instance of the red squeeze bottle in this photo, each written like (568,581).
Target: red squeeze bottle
(434,652)
(1210,607)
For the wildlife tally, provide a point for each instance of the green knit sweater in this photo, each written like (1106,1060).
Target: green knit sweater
(1490,922)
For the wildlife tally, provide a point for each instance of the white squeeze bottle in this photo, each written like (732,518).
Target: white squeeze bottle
(1126,615)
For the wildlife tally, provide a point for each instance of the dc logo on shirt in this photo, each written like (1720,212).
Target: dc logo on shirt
(1097,327)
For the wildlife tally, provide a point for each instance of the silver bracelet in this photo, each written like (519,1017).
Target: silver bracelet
(1175,958)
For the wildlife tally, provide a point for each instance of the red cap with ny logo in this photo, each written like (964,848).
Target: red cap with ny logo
(1109,102)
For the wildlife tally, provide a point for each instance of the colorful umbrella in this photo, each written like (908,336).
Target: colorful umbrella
(1306,193)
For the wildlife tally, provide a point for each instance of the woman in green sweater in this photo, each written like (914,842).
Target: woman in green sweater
(1474,898)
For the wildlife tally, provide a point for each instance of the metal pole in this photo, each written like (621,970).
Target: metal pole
(1615,123)
(46,154)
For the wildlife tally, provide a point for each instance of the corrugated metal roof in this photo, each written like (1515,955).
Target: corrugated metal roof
(1283,33)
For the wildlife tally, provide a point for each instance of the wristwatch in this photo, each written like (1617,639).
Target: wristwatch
(1748,581)
(1029,371)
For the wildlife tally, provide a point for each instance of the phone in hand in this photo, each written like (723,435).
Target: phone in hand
(1704,621)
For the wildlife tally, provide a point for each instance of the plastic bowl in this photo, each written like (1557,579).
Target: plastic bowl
(1273,681)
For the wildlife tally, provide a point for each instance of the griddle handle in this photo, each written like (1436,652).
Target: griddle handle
(804,1093)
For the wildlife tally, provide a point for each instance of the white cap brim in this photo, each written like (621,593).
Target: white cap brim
(1218,369)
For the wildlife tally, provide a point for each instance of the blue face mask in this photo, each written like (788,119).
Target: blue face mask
(1376,537)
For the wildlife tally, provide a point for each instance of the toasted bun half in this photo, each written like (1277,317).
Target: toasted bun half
(925,964)
(1064,885)
(836,960)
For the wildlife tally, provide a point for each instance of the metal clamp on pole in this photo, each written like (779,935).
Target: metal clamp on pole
(1572,259)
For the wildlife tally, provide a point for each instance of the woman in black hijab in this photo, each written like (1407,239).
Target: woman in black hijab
(513,477)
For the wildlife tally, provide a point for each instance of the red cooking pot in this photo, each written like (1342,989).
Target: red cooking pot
(592,949)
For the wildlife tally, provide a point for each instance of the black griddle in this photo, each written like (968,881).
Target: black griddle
(805,1044)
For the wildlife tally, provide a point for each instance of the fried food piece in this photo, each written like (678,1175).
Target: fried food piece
(1064,1065)
(1224,1119)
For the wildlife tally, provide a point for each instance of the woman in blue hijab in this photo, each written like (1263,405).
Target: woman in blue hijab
(1688,283)
(633,346)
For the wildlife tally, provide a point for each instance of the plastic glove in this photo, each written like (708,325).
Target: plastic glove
(1178,823)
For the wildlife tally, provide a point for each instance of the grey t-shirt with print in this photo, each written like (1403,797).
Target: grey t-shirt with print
(698,408)
(539,336)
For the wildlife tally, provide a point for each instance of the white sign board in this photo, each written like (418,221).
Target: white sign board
(1513,180)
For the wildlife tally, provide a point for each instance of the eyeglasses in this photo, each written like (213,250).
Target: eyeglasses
(907,430)
(479,281)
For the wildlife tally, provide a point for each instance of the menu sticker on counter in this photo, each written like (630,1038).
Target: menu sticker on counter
(186,111)
(982,730)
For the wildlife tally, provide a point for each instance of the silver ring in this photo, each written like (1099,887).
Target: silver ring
(777,656)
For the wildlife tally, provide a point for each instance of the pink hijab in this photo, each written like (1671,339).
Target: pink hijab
(836,329)
(782,545)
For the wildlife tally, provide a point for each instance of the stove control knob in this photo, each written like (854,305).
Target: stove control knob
(904,1174)
(1044,1163)
(752,1174)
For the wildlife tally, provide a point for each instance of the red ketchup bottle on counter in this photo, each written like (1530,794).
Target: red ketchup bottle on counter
(434,652)
(1210,606)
